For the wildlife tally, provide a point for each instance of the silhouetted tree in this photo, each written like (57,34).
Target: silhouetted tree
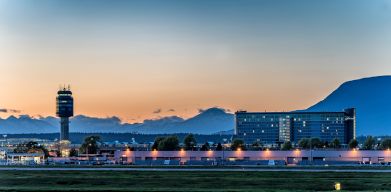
(156,143)
(316,143)
(386,144)
(190,142)
(90,145)
(73,153)
(369,143)
(58,153)
(219,147)
(287,145)
(353,143)
(326,144)
(238,144)
(256,145)
(304,143)
(335,143)
(205,147)
(170,143)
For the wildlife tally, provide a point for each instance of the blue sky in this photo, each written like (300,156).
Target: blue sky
(185,55)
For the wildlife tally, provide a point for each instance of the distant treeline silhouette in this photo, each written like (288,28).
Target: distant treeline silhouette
(78,138)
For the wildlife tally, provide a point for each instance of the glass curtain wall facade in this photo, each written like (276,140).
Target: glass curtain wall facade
(275,127)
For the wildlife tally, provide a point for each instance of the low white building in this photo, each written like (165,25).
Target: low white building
(289,157)
(25,158)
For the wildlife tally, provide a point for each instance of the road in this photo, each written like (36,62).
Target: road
(192,169)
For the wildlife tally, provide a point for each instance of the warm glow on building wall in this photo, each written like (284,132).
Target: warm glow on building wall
(210,153)
(297,152)
(353,153)
(155,152)
(128,152)
(267,153)
(182,152)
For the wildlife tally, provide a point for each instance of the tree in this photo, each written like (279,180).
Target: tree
(326,144)
(353,143)
(205,147)
(369,142)
(386,144)
(287,145)
(190,142)
(170,143)
(316,143)
(256,145)
(304,143)
(73,153)
(335,143)
(237,144)
(219,147)
(31,147)
(156,143)
(90,145)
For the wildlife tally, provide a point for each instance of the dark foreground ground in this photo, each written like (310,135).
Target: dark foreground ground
(190,181)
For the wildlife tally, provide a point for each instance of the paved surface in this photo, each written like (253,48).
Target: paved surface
(192,169)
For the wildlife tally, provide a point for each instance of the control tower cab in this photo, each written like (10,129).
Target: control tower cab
(64,110)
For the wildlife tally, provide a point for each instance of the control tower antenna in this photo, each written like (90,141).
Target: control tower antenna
(64,110)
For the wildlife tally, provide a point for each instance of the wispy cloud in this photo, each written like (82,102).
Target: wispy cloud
(200,110)
(4,110)
(157,111)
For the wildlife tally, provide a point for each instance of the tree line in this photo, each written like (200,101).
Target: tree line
(91,145)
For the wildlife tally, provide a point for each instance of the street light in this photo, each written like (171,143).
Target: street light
(88,151)
(192,145)
(224,141)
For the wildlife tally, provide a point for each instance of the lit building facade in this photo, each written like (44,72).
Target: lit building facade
(300,157)
(279,127)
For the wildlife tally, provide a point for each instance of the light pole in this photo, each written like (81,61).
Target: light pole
(311,150)
(192,145)
(88,151)
(222,162)
(5,138)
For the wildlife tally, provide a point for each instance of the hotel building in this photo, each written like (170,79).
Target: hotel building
(279,127)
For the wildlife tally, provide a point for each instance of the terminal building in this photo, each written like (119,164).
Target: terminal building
(279,127)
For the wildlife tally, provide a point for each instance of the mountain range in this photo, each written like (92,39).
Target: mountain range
(206,122)
(370,96)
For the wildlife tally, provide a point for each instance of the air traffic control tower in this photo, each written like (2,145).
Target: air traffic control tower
(64,110)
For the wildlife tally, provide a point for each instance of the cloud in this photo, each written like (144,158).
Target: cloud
(216,107)
(171,110)
(157,111)
(3,110)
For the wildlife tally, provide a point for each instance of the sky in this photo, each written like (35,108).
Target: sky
(148,59)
